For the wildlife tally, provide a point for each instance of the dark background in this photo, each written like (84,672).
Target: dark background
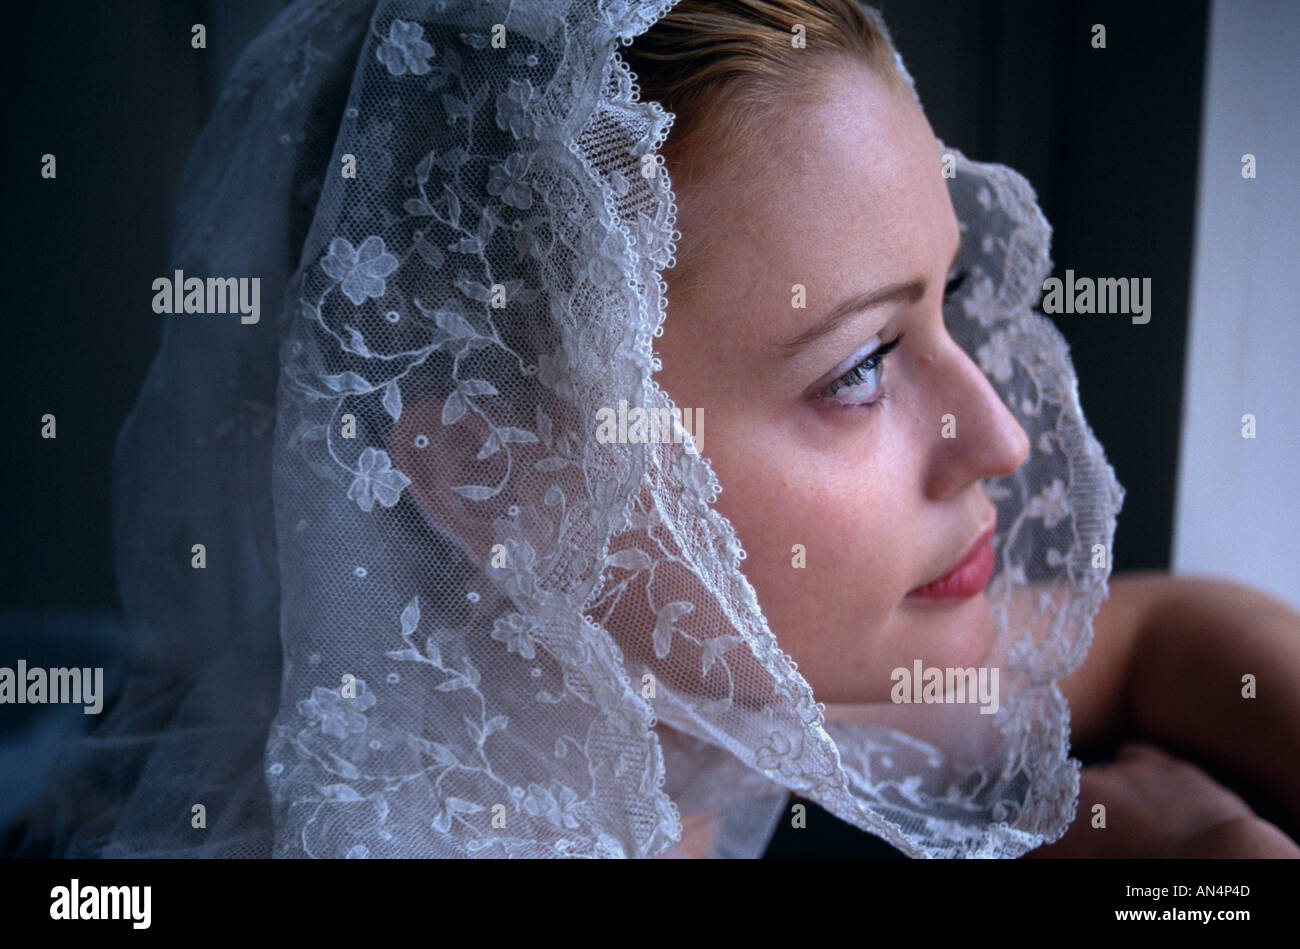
(1108,138)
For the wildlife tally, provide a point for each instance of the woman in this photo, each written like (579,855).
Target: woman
(842,155)
(508,613)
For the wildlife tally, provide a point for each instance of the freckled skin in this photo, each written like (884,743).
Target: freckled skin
(845,195)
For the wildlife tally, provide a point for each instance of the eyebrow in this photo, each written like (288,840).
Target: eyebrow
(911,291)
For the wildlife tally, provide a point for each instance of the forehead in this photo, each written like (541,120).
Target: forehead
(842,184)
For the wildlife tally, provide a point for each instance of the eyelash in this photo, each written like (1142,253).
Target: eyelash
(875,361)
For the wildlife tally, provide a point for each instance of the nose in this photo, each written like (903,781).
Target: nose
(978,435)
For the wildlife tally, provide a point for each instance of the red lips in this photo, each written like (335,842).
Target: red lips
(967,577)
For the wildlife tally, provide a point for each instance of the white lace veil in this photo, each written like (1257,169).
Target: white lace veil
(439,616)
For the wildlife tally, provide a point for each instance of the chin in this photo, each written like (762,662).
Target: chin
(957,633)
(960,633)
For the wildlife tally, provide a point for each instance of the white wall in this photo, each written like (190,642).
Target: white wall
(1238,504)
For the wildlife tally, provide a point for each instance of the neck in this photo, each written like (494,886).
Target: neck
(697,838)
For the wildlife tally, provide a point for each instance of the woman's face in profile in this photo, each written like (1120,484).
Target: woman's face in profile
(844,197)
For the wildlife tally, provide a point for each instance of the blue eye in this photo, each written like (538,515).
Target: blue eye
(861,383)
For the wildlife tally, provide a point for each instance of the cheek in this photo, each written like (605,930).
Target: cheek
(827,557)
(849,516)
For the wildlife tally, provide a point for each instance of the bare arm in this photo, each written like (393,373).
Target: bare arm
(1167,666)
(1158,805)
